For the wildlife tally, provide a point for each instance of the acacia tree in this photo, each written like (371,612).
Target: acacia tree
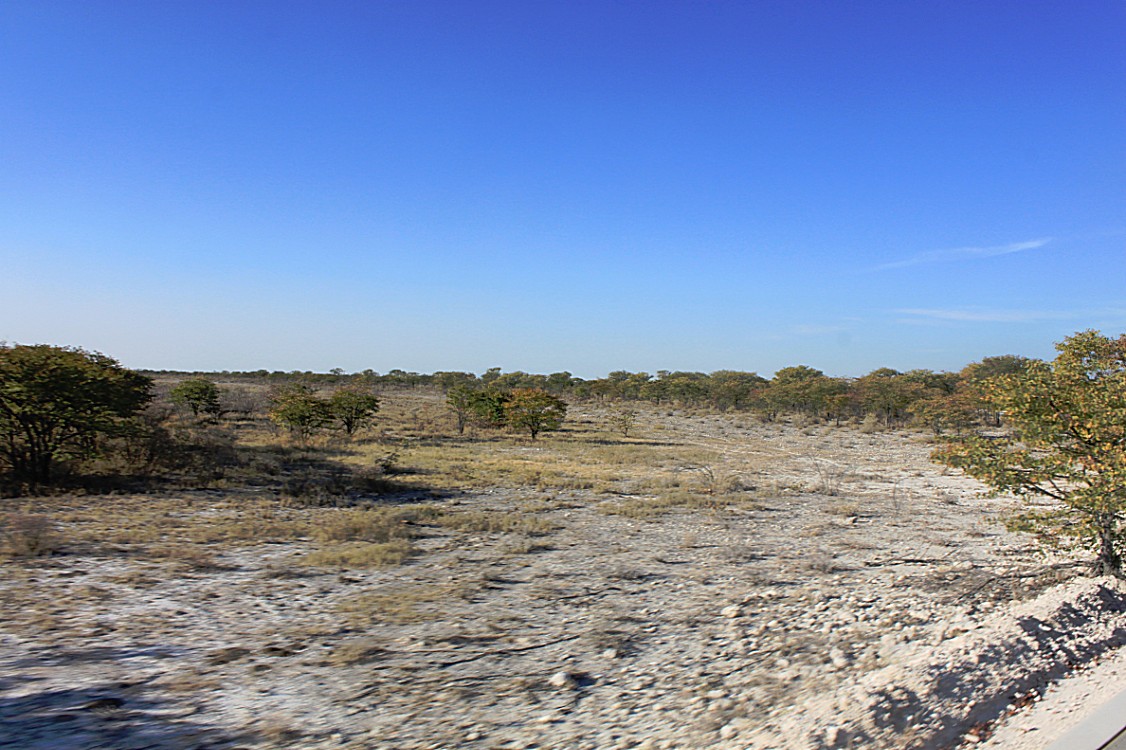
(299,409)
(534,410)
(1068,443)
(55,402)
(460,400)
(975,374)
(353,408)
(483,407)
(198,394)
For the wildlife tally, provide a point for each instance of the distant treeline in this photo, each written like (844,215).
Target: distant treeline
(940,400)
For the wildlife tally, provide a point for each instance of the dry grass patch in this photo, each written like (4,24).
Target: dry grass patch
(401,605)
(525,545)
(190,556)
(372,524)
(360,555)
(497,522)
(648,508)
(357,651)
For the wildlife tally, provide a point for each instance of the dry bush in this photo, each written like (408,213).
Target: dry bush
(843,509)
(636,508)
(28,535)
(312,488)
(525,545)
(830,476)
(243,403)
(255,529)
(163,445)
(871,424)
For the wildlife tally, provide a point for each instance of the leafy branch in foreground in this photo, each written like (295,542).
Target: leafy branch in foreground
(1067,443)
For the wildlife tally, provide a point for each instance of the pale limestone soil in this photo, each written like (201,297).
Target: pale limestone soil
(792,625)
(1061,706)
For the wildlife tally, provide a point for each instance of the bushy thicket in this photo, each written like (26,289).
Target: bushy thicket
(941,401)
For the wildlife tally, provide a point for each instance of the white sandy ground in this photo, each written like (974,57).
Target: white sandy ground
(1062,707)
(893,613)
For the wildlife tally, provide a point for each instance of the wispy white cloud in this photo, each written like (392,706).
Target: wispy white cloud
(965,253)
(978,315)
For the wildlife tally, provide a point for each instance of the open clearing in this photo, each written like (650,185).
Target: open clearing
(710,581)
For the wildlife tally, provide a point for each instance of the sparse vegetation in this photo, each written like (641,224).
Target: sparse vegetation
(399,547)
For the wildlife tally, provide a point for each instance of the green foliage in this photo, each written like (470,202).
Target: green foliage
(353,408)
(888,394)
(533,410)
(1068,442)
(802,389)
(732,389)
(991,367)
(947,411)
(198,394)
(481,407)
(299,409)
(56,402)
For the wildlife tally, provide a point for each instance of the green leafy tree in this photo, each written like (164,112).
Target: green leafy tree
(534,410)
(481,407)
(353,408)
(198,394)
(731,389)
(459,398)
(800,389)
(888,393)
(992,367)
(976,374)
(1068,443)
(447,380)
(947,411)
(56,402)
(298,408)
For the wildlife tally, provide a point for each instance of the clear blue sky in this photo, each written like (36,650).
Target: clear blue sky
(575,185)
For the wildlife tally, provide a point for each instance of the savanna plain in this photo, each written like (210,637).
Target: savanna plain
(691,579)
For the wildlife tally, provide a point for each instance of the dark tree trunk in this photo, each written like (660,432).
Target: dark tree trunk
(1108,562)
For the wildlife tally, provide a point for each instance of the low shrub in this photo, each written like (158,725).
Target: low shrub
(28,535)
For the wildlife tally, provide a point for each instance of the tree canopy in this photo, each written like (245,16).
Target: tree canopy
(353,408)
(55,402)
(1067,443)
(534,411)
(299,409)
(198,394)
